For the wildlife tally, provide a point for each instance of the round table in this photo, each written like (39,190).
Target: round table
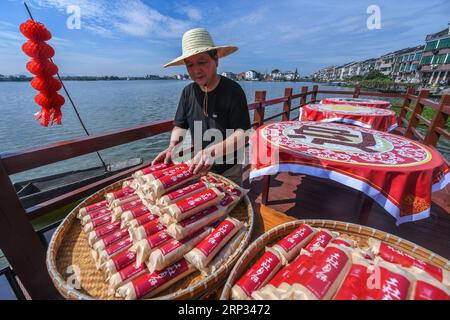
(358,102)
(366,117)
(396,172)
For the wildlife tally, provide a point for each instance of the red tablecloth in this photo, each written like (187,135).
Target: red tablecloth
(366,117)
(398,173)
(358,102)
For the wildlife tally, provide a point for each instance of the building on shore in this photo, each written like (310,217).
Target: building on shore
(251,75)
(435,62)
(406,65)
(276,75)
(428,64)
(229,75)
(366,66)
(179,77)
(384,63)
(240,76)
(345,71)
(291,76)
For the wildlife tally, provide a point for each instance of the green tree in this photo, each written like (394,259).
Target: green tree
(375,74)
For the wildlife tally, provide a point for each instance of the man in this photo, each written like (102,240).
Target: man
(211,102)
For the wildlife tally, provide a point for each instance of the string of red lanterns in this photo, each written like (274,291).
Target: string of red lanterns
(44,69)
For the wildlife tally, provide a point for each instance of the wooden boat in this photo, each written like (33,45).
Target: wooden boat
(34,191)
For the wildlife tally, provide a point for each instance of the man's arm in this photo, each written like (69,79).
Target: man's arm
(176,137)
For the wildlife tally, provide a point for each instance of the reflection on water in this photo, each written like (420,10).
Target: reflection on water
(107,106)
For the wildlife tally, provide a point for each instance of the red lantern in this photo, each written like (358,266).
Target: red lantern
(38,50)
(51,108)
(44,117)
(48,101)
(35,31)
(46,84)
(57,115)
(42,68)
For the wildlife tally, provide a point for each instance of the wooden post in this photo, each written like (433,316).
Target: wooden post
(406,104)
(304,92)
(357,91)
(314,94)
(258,116)
(439,120)
(20,243)
(265,189)
(413,121)
(287,105)
(303,97)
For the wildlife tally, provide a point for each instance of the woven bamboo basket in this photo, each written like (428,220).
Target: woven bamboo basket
(73,272)
(356,232)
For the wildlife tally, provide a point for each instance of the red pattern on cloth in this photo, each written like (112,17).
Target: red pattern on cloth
(366,117)
(358,102)
(398,173)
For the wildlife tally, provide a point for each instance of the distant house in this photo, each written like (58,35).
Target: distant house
(435,61)
(229,75)
(326,74)
(291,76)
(354,70)
(366,66)
(251,75)
(345,71)
(240,76)
(406,64)
(277,75)
(384,64)
(428,63)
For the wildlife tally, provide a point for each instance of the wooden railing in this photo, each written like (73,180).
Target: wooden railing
(23,247)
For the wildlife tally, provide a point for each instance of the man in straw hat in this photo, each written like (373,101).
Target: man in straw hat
(211,102)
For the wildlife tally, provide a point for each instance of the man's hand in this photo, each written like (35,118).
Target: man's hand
(164,156)
(202,162)
(176,137)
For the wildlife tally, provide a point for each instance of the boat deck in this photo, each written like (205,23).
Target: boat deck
(295,196)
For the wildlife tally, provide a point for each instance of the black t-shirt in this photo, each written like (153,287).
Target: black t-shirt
(227,109)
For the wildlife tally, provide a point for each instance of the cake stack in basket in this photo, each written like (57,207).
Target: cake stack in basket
(320,264)
(164,224)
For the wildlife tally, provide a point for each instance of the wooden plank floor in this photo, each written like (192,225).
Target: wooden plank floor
(294,196)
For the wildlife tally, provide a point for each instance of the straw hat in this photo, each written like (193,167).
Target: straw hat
(196,41)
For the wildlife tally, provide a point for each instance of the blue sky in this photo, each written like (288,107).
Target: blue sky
(136,37)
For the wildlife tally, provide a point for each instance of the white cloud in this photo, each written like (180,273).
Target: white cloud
(7,24)
(101,31)
(61,42)
(138,19)
(191,12)
(131,17)
(90,9)
(11,35)
(259,15)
